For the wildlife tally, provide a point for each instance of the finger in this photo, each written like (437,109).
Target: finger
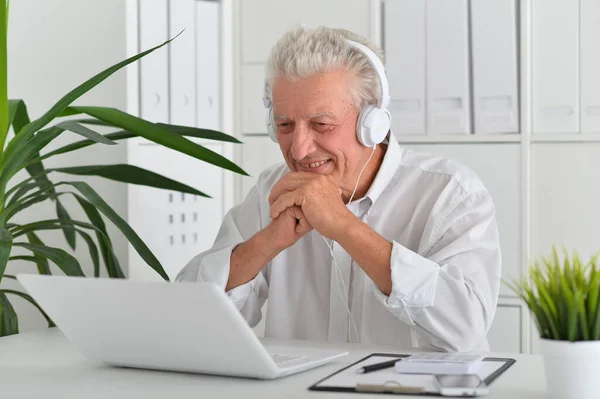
(289,182)
(303,223)
(303,226)
(285,201)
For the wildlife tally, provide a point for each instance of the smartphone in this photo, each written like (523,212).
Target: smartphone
(460,385)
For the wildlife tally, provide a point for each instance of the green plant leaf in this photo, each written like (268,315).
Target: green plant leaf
(84,131)
(6,243)
(545,297)
(115,136)
(69,234)
(93,250)
(18,116)
(28,180)
(595,335)
(189,131)
(50,224)
(14,161)
(26,202)
(571,324)
(137,243)
(20,192)
(26,154)
(124,135)
(131,174)
(32,301)
(42,263)
(585,329)
(92,121)
(26,258)
(40,180)
(68,111)
(592,299)
(67,263)
(200,133)
(112,264)
(9,322)
(110,260)
(160,135)
(38,173)
(64,224)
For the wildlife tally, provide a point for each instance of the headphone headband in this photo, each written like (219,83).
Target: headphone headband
(376,63)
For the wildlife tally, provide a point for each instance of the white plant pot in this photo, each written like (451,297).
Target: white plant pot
(572,368)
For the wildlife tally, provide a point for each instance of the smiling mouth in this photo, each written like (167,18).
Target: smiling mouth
(313,165)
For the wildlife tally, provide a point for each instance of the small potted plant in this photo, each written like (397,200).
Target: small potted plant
(563,296)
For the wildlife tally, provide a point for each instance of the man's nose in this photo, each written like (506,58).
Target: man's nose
(302,143)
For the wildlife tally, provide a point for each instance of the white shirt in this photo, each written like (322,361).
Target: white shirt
(445,262)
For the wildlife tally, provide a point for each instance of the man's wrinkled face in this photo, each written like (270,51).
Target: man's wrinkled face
(315,123)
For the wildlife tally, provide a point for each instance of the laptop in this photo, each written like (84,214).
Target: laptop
(190,327)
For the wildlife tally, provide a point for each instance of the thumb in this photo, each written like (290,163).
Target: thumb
(340,190)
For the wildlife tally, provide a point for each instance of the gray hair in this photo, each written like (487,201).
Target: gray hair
(303,52)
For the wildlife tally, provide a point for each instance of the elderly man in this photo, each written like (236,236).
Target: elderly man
(354,238)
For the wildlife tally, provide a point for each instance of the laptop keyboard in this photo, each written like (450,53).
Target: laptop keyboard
(283,359)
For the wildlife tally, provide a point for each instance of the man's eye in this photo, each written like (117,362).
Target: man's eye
(321,126)
(285,127)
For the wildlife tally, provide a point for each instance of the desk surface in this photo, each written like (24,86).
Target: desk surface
(45,364)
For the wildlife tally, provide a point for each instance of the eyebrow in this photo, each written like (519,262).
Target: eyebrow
(311,116)
(320,114)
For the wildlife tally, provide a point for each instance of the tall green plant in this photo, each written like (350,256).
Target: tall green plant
(23,151)
(563,296)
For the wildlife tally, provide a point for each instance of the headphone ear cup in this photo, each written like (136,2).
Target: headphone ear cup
(360,130)
(372,125)
(270,125)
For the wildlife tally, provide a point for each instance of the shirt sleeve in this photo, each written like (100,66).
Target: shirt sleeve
(239,224)
(448,295)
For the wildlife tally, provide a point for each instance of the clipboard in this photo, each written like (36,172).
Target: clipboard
(388,381)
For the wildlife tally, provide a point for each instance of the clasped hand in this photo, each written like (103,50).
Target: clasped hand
(302,201)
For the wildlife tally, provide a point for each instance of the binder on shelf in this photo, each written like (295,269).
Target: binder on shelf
(404,42)
(590,66)
(447,44)
(555,66)
(207,65)
(154,93)
(494,66)
(182,72)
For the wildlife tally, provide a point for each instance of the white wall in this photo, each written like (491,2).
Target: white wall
(53,46)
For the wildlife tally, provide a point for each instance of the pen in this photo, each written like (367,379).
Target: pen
(377,366)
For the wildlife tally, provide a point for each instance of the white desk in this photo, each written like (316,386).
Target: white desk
(43,364)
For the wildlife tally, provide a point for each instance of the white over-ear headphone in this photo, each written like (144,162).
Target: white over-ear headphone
(374,121)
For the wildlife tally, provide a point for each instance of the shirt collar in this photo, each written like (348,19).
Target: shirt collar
(387,170)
